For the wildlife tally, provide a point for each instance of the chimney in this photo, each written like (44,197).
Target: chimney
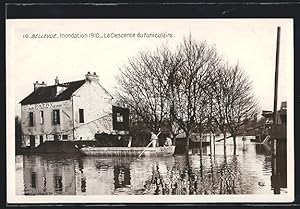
(37,85)
(92,77)
(43,84)
(56,81)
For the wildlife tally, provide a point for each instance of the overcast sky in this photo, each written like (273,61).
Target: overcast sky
(251,42)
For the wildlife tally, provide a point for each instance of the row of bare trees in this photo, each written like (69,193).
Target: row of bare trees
(192,88)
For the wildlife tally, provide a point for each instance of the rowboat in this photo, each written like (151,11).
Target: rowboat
(128,151)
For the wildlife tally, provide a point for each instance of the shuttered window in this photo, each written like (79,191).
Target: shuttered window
(81,116)
(42,117)
(56,117)
(31,119)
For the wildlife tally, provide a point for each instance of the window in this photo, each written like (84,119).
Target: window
(65,137)
(56,117)
(42,117)
(58,183)
(41,139)
(81,116)
(119,117)
(31,119)
(33,179)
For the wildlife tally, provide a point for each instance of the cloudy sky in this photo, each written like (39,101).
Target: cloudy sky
(251,42)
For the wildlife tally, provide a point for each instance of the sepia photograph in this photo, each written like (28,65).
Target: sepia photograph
(149,110)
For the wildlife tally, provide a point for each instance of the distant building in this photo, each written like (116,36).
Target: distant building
(281,115)
(277,130)
(70,111)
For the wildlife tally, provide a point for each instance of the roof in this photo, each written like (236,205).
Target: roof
(48,93)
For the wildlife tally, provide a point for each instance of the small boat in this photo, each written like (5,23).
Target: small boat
(129,151)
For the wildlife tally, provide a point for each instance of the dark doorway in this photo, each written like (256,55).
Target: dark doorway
(32,141)
(56,137)
(41,139)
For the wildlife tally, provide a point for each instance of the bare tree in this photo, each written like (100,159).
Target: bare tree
(144,86)
(218,94)
(192,81)
(242,105)
(233,101)
(190,88)
(211,125)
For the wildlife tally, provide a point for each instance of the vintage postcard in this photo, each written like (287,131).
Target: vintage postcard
(149,110)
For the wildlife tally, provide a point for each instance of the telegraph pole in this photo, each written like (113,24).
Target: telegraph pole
(275,176)
(276,76)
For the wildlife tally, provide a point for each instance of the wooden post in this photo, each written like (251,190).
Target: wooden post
(73,118)
(276,77)
(276,87)
(274,157)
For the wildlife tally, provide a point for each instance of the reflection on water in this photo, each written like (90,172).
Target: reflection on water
(121,176)
(249,172)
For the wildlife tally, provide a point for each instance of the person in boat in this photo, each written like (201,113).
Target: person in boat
(168,141)
(119,141)
(154,139)
(129,141)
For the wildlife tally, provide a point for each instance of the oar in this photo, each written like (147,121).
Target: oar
(145,148)
(148,146)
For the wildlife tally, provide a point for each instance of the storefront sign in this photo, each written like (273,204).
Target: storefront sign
(47,105)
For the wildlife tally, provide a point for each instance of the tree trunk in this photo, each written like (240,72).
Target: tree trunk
(210,144)
(224,134)
(187,145)
(234,144)
(214,140)
(201,147)
(174,139)
(189,172)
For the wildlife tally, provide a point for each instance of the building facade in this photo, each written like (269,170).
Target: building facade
(280,115)
(67,111)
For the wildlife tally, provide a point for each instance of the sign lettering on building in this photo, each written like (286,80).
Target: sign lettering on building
(43,105)
(47,105)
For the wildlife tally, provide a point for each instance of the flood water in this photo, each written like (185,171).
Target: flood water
(248,172)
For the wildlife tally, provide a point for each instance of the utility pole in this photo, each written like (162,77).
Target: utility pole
(275,176)
(276,77)
(73,118)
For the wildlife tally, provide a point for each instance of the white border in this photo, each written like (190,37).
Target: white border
(11,191)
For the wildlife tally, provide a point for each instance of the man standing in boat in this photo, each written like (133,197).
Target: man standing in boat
(154,139)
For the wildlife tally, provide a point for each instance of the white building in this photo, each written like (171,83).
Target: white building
(67,111)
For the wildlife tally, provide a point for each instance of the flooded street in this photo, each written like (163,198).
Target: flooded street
(249,172)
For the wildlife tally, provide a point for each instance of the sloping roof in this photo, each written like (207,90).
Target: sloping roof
(48,93)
